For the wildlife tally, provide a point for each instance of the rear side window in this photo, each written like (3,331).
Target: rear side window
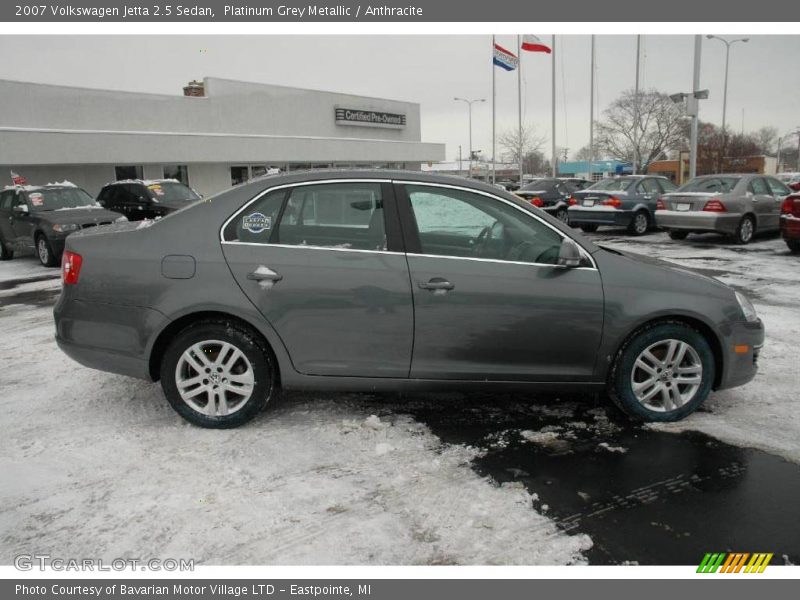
(757,186)
(777,188)
(650,186)
(5,200)
(667,185)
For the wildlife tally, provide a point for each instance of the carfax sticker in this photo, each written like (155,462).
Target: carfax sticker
(257,222)
(36,199)
(156,189)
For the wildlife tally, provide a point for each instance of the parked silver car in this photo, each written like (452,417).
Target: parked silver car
(735,205)
(391,280)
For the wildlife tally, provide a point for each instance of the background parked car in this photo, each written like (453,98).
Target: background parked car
(735,205)
(549,194)
(576,183)
(146,199)
(628,201)
(790,222)
(790,179)
(39,218)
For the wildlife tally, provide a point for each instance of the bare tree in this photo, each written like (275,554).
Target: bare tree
(584,154)
(659,127)
(766,139)
(513,145)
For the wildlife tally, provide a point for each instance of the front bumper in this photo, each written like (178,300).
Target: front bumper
(741,348)
(599,215)
(698,221)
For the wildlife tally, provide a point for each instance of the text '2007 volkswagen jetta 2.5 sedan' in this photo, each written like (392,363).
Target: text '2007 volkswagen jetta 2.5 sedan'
(391,280)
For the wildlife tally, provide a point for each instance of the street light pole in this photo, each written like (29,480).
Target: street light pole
(469,104)
(698,47)
(728,44)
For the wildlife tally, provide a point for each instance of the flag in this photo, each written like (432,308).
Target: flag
(531,43)
(504,59)
(18,179)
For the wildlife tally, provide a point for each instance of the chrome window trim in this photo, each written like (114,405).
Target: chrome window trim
(561,234)
(263,193)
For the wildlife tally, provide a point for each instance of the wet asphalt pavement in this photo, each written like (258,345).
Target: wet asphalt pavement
(643,496)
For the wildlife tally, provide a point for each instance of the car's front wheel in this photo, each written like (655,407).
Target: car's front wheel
(589,227)
(218,374)
(663,373)
(45,252)
(5,253)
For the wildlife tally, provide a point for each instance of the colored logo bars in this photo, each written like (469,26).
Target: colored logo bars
(734,562)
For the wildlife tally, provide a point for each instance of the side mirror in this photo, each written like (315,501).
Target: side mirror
(21,209)
(569,254)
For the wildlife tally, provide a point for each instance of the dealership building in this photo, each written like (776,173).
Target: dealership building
(216,134)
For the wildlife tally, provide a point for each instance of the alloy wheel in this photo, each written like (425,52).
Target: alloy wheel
(666,375)
(43,251)
(640,223)
(746,230)
(214,378)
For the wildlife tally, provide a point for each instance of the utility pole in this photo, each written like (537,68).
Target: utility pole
(698,48)
(553,104)
(591,112)
(728,44)
(636,107)
(519,108)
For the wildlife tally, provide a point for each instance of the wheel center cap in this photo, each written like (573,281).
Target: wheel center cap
(666,375)
(214,377)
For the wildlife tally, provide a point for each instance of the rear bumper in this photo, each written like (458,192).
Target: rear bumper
(740,354)
(599,215)
(790,227)
(698,221)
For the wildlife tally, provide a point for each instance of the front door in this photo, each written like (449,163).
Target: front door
(22,222)
(490,301)
(321,262)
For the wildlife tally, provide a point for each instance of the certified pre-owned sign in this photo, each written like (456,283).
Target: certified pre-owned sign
(369,118)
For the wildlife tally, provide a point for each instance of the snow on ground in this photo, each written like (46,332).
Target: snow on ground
(99,465)
(765,413)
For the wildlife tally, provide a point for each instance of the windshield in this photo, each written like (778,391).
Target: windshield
(713,185)
(171,191)
(60,198)
(539,184)
(613,184)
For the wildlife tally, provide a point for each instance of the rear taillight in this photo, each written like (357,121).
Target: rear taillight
(572,201)
(714,206)
(660,205)
(71,267)
(536,201)
(612,201)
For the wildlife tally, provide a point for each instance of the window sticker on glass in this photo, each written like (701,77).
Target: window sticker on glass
(37,199)
(257,222)
(156,189)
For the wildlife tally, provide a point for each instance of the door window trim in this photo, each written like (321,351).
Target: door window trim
(558,232)
(276,188)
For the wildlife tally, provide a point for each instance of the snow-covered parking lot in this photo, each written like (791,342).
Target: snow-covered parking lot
(97,465)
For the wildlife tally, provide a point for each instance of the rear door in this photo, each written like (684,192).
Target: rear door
(490,302)
(762,204)
(779,192)
(324,263)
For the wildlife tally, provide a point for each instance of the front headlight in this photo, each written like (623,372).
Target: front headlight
(121,219)
(65,227)
(748,310)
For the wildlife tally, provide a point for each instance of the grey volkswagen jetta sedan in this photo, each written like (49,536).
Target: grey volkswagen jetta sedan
(391,280)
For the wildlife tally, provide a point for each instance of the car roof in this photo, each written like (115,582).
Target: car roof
(47,186)
(142,181)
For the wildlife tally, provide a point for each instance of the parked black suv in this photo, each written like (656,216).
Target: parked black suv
(549,194)
(140,199)
(39,218)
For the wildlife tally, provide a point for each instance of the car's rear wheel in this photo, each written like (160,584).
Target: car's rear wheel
(218,374)
(794,246)
(589,227)
(44,251)
(678,235)
(745,230)
(663,373)
(562,214)
(5,253)
(640,223)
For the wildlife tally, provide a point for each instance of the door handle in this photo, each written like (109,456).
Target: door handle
(264,274)
(437,284)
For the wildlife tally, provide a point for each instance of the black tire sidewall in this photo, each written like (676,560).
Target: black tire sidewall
(794,246)
(253,348)
(589,228)
(620,387)
(562,211)
(678,235)
(5,253)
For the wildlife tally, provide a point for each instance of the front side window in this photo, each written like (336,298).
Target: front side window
(458,223)
(650,186)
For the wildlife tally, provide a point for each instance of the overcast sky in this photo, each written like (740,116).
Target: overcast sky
(431,70)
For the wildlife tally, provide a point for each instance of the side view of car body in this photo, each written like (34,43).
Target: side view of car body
(790,222)
(146,199)
(628,201)
(734,205)
(551,195)
(391,280)
(39,218)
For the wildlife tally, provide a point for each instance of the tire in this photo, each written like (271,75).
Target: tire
(745,230)
(45,251)
(794,246)
(678,235)
(589,227)
(660,398)
(639,224)
(562,215)
(5,253)
(193,355)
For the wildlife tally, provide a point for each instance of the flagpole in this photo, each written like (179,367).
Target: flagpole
(519,107)
(591,112)
(494,112)
(553,104)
